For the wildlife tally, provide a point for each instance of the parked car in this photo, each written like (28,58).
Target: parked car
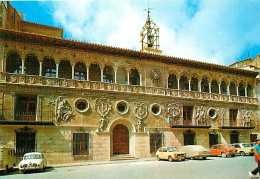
(252,144)
(7,158)
(170,153)
(32,161)
(223,149)
(244,148)
(195,151)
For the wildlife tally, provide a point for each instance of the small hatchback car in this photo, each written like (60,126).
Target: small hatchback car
(170,153)
(224,150)
(244,148)
(32,161)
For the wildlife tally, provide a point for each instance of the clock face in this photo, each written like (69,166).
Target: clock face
(155,74)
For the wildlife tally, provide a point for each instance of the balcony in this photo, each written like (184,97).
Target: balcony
(239,124)
(180,123)
(8,78)
(10,117)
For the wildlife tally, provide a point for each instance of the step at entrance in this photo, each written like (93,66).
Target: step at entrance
(122,157)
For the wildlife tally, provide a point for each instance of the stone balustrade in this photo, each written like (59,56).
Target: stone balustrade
(115,87)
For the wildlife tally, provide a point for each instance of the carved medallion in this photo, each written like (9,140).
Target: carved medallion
(155,74)
(103,106)
(140,109)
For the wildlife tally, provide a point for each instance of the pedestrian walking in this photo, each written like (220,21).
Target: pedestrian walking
(257,159)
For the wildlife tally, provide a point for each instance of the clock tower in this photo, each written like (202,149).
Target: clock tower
(150,36)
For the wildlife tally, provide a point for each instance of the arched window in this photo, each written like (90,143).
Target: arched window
(31,65)
(108,74)
(233,89)
(184,83)
(48,67)
(172,82)
(194,84)
(241,89)
(94,73)
(13,63)
(121,76)
(80,71)
(223,87)
(65,70)
(134,77)
(214,87)
(204,85)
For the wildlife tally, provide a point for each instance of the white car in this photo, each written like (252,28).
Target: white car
(32,161)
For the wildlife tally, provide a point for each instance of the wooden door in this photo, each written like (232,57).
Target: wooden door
(120,139)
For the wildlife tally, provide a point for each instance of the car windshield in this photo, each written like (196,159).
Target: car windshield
(171,149)
(246,145)
(33,156)
(228,145)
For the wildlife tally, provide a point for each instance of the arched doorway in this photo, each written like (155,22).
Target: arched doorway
(234,137)
(213,138)
(120,139)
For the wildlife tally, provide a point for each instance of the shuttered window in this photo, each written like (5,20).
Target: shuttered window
(80,143)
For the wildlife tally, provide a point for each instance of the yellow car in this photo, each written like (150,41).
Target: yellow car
(170,153)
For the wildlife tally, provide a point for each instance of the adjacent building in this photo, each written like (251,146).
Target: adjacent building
(77,101)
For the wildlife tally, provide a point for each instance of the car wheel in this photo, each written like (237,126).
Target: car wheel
(242,153)
(158,158)
(204,158)
(182,159)
(223,154)
(170,159)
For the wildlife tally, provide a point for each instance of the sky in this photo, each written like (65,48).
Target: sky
(213,31)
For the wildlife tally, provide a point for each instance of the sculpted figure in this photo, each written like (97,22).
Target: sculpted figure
(63,110)
(201,115)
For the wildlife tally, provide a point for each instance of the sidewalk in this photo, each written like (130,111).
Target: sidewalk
(99,163)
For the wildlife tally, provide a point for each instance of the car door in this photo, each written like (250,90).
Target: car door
(214,150)
(164,153)
(220,149)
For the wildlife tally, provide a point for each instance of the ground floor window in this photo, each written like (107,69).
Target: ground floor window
(189,137)
(80,143)
(253,137)
(155,142)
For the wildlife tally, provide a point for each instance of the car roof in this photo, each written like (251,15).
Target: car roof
(31,153)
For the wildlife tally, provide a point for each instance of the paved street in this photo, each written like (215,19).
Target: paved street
(215,167)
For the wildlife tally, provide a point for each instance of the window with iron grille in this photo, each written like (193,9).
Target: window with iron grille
(80,143)
(155,142)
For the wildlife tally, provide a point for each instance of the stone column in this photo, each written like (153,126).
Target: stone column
(128,78)
(141,80)
(209,87)
(237,90)
(189,85)
(245,91)
(228,90)
(87,73)
(39,108)
(199,85)
(178,82)
(102,74)
(219,88)
(72,71)
(254,95)
(23,66)
(57,70)
(115,76)
(40,70)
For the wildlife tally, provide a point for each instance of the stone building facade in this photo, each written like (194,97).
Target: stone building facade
(77,101)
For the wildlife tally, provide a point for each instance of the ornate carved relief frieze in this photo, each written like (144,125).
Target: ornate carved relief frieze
(63,111)
(140,112)
(201,115)
(246,118)
(174,111)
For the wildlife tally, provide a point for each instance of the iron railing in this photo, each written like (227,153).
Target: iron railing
(20,116)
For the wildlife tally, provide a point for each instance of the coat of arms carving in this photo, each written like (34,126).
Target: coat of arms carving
(102,106)
(174,110)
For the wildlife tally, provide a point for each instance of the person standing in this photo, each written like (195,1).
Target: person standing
(257,159)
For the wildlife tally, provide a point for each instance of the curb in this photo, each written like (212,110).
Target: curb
(98,163)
